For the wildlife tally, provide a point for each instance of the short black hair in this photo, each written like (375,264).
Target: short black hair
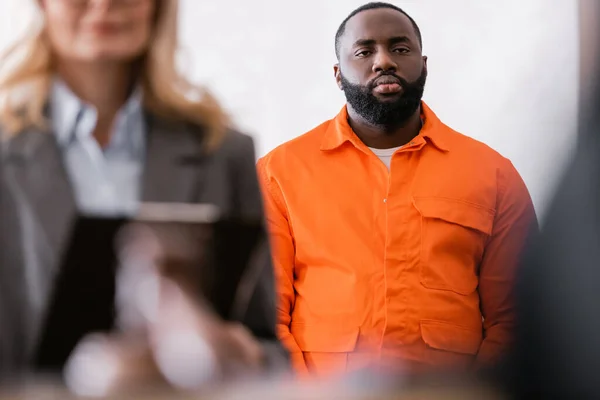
(372,6)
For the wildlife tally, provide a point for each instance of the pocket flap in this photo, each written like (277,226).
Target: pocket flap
(457,212)
(449,337)
(324,338)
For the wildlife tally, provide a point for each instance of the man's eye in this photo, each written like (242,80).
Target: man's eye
(363,53)
(401,50)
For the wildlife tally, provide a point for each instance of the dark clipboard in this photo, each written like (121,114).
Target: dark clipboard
(83,297)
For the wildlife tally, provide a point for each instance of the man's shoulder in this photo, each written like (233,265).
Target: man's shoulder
(476,150)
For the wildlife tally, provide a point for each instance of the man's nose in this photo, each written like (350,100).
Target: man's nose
(384,62)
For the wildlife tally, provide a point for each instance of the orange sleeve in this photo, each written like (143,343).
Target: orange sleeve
(282,244)
(515,220)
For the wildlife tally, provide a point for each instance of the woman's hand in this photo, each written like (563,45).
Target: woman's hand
(192,346)
(182,345)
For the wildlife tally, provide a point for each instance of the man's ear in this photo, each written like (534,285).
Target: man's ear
(338,75)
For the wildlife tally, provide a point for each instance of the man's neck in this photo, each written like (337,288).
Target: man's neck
(380,138)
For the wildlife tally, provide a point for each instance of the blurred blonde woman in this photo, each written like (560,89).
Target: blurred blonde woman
(95,119)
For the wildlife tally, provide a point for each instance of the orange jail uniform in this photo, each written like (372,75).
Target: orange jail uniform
(410,266)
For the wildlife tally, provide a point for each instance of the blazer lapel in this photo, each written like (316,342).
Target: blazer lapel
(35,161)
(44,210)
(176,166)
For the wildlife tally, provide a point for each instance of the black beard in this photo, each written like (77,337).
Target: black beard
(388,115)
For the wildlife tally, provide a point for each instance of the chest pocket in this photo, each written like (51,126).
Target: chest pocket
(453,237)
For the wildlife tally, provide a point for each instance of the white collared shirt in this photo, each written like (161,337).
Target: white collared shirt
(105,181)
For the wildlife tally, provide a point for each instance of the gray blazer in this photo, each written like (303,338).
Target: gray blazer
(37,208)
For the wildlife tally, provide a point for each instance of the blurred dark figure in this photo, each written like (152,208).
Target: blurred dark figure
(95,118)
(558,342)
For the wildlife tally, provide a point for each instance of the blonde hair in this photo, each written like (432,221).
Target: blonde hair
(26,70)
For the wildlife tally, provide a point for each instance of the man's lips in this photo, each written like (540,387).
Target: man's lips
(387,84)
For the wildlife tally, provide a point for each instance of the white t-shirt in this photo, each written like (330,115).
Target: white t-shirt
(385,155)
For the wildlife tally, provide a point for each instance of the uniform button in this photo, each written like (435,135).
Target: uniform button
(385,200)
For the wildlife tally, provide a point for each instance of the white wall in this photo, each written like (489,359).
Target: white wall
(502,72)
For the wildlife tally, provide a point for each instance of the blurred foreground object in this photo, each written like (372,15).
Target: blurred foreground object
(558,351)
(558,346)
(168,335)
(92,125)
(366,387)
